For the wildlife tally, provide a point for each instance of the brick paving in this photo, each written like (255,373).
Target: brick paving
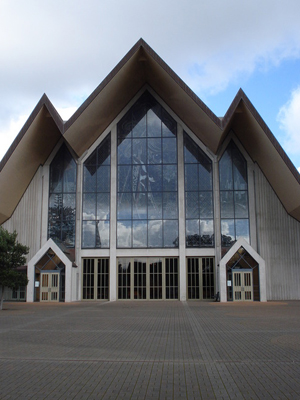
(150,350)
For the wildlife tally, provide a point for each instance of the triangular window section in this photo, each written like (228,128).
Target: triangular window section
(62,198)
(147,200)
(233,197)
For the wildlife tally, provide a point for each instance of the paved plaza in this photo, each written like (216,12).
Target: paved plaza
(150,350)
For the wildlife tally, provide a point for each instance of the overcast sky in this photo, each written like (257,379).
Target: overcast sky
(65,48)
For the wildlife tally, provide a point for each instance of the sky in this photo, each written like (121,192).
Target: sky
(65,48)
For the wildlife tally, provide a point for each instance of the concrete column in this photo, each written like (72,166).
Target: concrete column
(181,213)
(113,217)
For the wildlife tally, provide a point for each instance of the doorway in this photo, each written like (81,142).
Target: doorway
(49,286)
(242,285)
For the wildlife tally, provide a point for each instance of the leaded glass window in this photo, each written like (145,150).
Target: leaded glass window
(62,198)
(147,201)
(198,196)
(233,196)
(96,197)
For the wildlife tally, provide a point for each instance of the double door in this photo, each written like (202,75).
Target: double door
(49,287)
(242,285)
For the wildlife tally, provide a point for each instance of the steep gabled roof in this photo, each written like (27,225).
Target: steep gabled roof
(142,66)
(30,149)
(264,149)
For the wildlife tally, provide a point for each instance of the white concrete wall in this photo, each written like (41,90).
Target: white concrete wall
(278,237)
(26,219)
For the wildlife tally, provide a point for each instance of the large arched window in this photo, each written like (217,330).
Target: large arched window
(147,202)
(62,198)
(96,197)
(198,196)
(233,196)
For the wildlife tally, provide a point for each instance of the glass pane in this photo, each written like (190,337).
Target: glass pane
(124,179)
(205,176)
(171,234)
(88,234)
(103,152)
(169,151)
(191,205)
(206,205)
(169,126)
(103,206)
(170,205)
(139,154)
(154,122)
(241,204)
(139,178)
(225,167)
(69,178)
(155,205)
(139,129)
(139,205)
(155,178)
(89,178)
(227,205)
(154,151)
(207,233)
(242,229)
(56,176)
(124,206)
(190,150)
(92,160)
(139,233)
(124,151)
(239,169)
(89,206)
(124,234)
(191,177)
(192,236)
(102,234)
(155,233)
(103,179)
(69,207)
(68,233)
(170,178)
(227,232)
(55,206)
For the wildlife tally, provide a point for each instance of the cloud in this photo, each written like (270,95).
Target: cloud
(66,48)
(288,118)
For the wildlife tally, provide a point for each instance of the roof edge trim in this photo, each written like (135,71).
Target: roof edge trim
(43,102)
(242,97)
(141,44)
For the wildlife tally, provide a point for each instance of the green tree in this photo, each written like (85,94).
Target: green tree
(12,256)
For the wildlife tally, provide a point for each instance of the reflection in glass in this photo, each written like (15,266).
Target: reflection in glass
(139,233)
(227,205)
(147,176)
(62,198)
(124,234)
(96,197)
(198,196)
(241,204)
(233,196)
(155,238)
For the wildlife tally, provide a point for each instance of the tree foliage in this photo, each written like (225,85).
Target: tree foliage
(12,256)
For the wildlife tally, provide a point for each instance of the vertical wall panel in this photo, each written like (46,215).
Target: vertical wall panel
(26,219)
(278,236)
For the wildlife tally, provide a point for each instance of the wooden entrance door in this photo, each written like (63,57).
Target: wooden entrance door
(49,286)
(242,285)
